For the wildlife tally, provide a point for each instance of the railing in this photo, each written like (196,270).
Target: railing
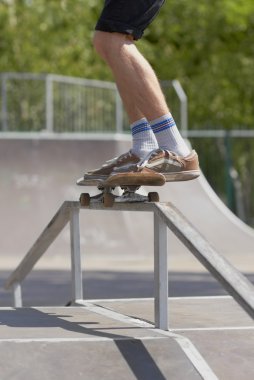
(56,103)
(165,216)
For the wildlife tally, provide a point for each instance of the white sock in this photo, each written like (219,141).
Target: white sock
(168,135)
(143,138)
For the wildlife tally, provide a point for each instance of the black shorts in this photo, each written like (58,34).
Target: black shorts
(128,16)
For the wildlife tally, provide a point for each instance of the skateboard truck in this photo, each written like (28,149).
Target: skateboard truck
(108,198)
(105,196)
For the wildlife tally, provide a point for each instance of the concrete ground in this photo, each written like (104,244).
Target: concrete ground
(53,287)
(208,338)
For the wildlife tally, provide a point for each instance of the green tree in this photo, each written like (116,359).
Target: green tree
(207,45)
(48,36)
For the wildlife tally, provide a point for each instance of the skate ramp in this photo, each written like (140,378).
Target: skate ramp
(38,173)
(200,204)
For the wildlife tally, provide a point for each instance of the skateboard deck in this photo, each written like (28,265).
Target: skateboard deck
(128,185)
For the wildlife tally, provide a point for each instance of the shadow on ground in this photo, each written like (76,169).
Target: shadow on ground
(53,288)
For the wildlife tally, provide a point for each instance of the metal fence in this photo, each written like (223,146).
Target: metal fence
(37,102)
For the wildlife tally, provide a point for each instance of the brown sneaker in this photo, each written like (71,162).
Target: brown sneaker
(171,166)
(107,168)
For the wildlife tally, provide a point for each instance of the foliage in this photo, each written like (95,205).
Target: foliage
(48,36)
(207,45)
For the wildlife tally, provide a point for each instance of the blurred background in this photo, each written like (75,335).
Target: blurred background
(207,46)
(59,105)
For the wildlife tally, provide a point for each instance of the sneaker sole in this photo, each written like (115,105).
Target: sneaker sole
(91,180)
(135,179)
(182,176)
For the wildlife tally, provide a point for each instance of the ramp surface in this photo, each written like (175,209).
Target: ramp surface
(39,173)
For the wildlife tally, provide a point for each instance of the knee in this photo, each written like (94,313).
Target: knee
(102,43)
(110,45)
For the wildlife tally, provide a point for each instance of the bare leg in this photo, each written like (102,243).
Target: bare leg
(135,78)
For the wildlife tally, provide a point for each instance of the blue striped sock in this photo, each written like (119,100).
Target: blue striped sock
(168,135)
(143,139)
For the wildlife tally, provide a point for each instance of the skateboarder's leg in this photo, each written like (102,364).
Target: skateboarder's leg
(139,88)
(121,23)
(135,78)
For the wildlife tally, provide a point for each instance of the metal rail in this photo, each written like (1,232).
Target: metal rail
(165,216)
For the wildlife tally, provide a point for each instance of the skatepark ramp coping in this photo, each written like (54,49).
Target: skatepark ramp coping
(165,216)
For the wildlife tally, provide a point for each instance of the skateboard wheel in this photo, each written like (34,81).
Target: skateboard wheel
(85,199)
(108,200)
(153,197)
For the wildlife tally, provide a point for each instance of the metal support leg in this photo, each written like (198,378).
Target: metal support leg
(17,295)
(76,271)
(160,274)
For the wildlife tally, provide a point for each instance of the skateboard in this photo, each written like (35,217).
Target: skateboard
(106,190)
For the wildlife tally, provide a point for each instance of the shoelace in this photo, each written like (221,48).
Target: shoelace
(121,158)
(142,163)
